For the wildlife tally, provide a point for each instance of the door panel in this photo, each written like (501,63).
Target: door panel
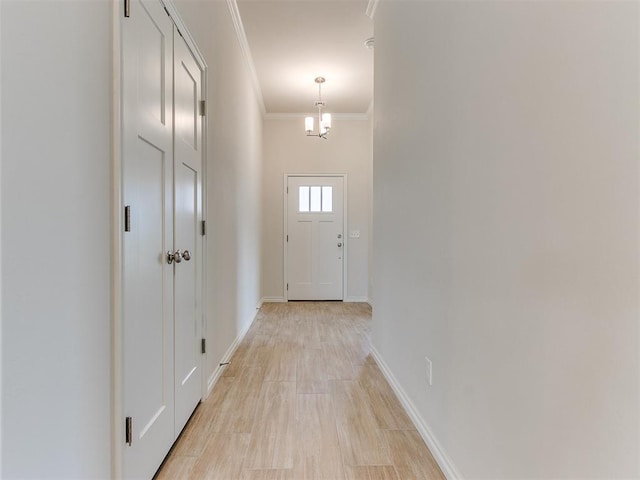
(315,247)
(300,267)
(188,356)
(188,215)
(147,278)
(327,272)
(153,41)
(186,101)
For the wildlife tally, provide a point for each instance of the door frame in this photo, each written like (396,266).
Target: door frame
(286,228)
(117,221)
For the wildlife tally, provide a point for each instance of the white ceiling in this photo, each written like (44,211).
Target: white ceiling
(294,41)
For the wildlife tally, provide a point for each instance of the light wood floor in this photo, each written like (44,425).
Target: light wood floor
(301,400)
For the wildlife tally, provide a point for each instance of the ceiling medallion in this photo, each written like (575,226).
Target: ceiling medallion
(369,42)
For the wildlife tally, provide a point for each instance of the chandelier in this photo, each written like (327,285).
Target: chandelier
(324,119)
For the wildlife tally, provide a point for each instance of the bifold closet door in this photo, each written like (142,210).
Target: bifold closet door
(187,237)
(148,338)
(162,241)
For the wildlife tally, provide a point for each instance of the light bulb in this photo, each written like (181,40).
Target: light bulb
(308,124)
(326,120)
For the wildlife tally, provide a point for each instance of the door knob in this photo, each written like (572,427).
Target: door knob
(177,256)
(339,244)
(174,257)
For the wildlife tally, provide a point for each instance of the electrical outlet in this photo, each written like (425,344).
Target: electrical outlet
(429,371)
(354,234)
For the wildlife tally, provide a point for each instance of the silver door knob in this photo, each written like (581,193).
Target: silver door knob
(339,244)
(170,257)
(177,256)
(186,255)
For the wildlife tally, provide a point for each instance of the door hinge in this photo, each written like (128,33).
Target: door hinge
(128,431)
(166,11)
(287,238)
(127,218)
(203,105)
(287,287)
(203,345)
(127,8)
(287,189)
(204,227)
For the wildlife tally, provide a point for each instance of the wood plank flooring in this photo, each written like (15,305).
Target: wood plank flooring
(302,400)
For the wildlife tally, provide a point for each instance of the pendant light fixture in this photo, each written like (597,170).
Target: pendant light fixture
(324,119)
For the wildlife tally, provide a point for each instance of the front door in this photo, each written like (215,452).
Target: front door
(315,240)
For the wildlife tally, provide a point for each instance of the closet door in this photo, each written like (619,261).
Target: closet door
(148,165)
(187,237)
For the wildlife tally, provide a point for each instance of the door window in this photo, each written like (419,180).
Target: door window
(315,199)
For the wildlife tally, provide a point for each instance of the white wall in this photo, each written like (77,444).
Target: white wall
(1,309)
(288,150)
(234,169)
(56,73)
(506,230)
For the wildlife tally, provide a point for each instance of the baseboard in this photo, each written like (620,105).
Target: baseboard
(284,300)
(217,373)
(272,300)
(356,300)
(444,462)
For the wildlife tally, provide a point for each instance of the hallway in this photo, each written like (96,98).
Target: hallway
(302,399)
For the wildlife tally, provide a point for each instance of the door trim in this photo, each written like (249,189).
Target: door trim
(345,222)
(117,377)
(117,206)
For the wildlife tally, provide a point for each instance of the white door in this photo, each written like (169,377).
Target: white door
(315,243)
(188,238)
(162,242)
(148,386)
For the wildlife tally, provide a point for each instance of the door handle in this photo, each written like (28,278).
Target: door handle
(174,257)
(339,244)
(186,255)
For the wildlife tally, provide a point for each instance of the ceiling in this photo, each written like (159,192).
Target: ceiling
(294,41)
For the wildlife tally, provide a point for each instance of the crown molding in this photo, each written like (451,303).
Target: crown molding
(335,116)
(246,52)
(371,8)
